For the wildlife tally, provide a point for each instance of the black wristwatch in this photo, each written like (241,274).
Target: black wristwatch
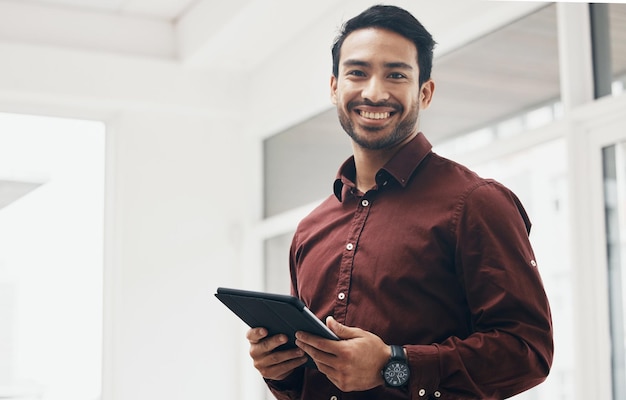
(396,372)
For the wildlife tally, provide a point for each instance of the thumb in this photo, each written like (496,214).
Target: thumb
(344,332)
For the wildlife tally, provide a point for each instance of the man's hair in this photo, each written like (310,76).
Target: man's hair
(394,19)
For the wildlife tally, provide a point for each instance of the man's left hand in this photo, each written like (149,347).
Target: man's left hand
(353,363)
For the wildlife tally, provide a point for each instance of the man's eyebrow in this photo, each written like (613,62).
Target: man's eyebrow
(356,63)
(389,65)
(398,65)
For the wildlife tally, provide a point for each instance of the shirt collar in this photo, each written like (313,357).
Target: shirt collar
(400,168)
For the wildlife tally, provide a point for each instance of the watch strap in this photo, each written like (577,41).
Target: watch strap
(397,353)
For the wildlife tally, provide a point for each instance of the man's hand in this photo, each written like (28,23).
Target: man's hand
(273,365)
(353,363)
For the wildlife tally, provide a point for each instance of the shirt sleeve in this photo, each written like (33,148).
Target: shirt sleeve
(288,389)
(511,347)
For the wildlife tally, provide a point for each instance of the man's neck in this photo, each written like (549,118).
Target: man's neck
(368,162)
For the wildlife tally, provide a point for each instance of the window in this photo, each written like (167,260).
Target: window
(51,257)
(301,163)
(495,79)
(538,175)
(617,24)
(614,159)
(608,38)
(277,263)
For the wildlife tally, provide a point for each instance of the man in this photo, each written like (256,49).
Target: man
(422,268)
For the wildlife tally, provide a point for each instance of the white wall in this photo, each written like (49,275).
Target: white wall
(175,189)
(173,241)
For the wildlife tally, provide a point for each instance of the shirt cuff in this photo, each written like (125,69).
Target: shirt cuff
(425,375)
(289,388)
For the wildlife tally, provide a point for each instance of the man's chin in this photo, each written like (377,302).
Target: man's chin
(372,143)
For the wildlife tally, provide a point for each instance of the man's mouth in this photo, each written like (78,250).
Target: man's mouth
(375,115)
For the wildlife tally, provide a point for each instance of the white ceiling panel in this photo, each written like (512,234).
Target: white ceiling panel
(95,5)
(162,9)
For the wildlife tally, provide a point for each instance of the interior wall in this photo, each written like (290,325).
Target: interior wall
(173,209)
(174,241)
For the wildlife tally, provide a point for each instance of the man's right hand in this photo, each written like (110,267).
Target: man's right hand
(273,365)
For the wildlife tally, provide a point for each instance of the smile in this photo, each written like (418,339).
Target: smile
(375,115)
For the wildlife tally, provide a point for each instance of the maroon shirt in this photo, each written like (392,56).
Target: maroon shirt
(433,258)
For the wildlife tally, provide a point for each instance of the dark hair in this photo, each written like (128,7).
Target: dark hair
(394,19)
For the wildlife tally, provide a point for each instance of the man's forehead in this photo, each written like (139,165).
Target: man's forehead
(382,46)
(373,41)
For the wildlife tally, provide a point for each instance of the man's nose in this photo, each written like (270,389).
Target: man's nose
(375,90)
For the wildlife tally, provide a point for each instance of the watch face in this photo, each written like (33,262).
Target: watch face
(396,373)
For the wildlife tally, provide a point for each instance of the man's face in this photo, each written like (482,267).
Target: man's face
(377,90)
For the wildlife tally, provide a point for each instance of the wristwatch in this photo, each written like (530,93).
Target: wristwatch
(396,372)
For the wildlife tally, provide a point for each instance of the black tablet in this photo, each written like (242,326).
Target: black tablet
(277,313)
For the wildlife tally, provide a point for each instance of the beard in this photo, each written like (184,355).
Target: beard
(405,128)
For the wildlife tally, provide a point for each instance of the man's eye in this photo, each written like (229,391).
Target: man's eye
(356,73)
(397,75)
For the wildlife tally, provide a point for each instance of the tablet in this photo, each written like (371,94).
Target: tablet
(277,313)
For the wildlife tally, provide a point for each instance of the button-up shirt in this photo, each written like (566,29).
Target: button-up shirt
(433,258)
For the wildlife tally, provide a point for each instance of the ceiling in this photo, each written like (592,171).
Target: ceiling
(168,10)
(486,79)
(215,33)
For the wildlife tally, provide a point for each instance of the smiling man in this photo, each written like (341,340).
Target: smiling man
(421,267)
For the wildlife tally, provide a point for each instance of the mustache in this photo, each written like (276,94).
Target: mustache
(396,107)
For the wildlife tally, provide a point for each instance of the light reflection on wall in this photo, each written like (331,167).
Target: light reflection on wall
(51,258)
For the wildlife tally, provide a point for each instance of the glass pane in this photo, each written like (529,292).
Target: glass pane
(538,176)
(300,164)
(507,80)
(277,263)
(51,259)
(614,163)
(617,23)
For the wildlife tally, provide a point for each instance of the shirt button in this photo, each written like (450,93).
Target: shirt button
(341,296)
(533,263)
(350,246)
(422,392)
(365,203)
(437,394)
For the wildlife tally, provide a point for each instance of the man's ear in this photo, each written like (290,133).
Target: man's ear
(426,93)
(333,89)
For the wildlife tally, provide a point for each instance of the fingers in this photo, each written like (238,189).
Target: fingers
(254,335)
(353,363)
(260,344)
(273,364)
(319,351)
(279,364)
(342,331)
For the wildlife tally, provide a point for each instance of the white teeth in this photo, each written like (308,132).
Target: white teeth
(372,115)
